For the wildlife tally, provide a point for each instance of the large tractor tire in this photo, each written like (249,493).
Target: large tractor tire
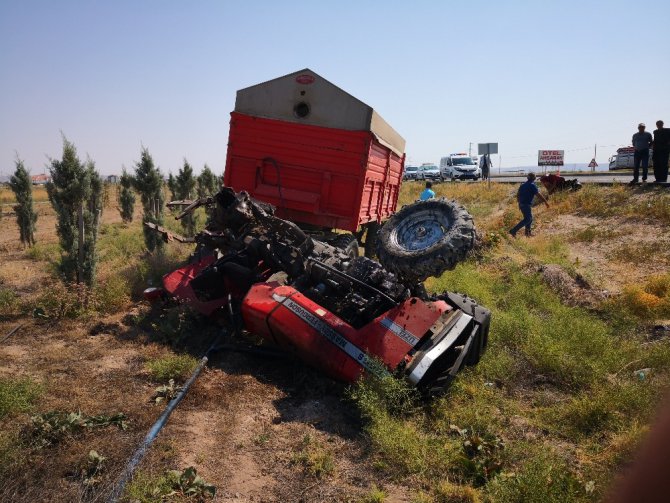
(348,243)
(425,239)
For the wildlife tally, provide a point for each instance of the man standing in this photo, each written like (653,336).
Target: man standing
(485,166)
(427,192)
(641,142)
(525,196)
(661,152)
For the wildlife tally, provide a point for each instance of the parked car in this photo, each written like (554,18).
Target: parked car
(459,167)
(411,173)
(430,172)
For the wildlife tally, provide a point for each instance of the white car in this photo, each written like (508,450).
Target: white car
(460,167)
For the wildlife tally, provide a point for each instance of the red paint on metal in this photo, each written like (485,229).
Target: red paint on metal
(305,79)
(264,315)
(178,284)
(326,177)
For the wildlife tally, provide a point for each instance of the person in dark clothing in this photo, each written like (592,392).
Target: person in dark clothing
(525,196)
(485,166)
(642,140)
(661,152)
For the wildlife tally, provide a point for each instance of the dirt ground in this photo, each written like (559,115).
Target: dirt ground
(623,253)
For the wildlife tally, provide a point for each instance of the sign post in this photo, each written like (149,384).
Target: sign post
(487,149)
(550,158)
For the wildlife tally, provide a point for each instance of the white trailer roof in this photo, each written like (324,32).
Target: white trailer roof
(307,98)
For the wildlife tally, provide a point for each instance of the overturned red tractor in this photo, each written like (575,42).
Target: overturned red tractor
(262,274)
(274,261)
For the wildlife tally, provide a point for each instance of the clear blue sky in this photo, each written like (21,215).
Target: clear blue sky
(116,75)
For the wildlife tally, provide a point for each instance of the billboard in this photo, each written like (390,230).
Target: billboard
(550,157)
(487,148)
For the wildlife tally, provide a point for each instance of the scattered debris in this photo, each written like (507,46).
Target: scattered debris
(50,428)
(166,392)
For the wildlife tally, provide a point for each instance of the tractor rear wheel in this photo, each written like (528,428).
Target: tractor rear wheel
(425,239)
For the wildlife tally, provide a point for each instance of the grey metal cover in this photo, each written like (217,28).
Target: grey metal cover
(305,97)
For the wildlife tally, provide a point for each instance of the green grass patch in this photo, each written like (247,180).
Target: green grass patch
(120,242)
(44,252)
(541,476)
(177,367)
(593,233)
(147,487)
(635,252)
(9,301)
(18,395)
(316,459)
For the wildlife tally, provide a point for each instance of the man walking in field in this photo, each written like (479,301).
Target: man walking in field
(641,142)
(661,152)
(525,196)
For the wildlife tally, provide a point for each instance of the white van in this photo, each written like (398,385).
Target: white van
(460,167)
(625,158)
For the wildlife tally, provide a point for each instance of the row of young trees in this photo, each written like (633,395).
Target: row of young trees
(148,182)
(76,194)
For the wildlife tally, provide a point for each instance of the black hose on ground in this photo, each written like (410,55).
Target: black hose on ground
(141,451)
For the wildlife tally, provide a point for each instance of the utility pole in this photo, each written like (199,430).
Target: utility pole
(470,150)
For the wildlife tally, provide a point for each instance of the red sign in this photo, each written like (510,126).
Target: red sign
(305,79)
(550,158)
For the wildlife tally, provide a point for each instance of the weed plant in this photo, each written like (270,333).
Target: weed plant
(171,367)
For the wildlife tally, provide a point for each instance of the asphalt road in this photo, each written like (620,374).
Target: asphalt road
(605,178)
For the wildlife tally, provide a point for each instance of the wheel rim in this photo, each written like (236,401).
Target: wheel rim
(420,230)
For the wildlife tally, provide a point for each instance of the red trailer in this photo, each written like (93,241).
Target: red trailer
(325,159)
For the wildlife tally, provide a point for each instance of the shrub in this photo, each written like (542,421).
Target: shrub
(317,461)
(75,193)
(374,495)
(126,197)
(112,294)
(9,301)
(447,492)
(26,217)
(185,190)
(148,182)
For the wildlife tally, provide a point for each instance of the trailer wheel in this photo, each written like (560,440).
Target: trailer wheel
(425,239)
(348,243)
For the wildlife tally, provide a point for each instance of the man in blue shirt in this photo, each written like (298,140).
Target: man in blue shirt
(427,192)
(525,196)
